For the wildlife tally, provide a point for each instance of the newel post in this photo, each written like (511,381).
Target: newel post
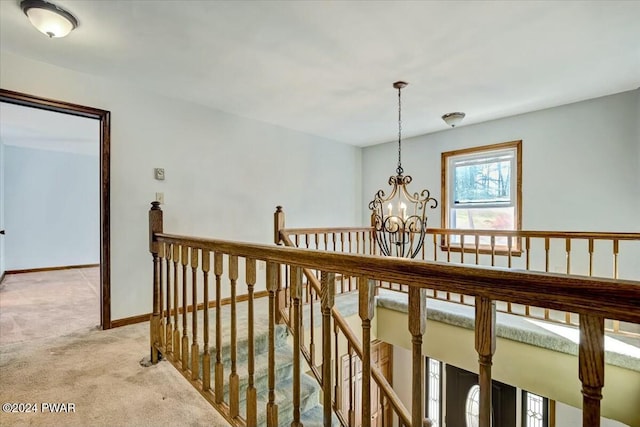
(417,326)
(278,225)
(591,367)
(155,226)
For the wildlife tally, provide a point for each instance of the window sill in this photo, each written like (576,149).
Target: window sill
(483,250)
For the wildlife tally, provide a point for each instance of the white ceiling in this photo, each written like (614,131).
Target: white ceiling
(326,67)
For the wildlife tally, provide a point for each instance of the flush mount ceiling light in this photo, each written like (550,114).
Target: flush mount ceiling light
(400,220)
(453,119)
(48,18)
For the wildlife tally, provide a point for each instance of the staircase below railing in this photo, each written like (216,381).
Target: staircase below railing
(209,356)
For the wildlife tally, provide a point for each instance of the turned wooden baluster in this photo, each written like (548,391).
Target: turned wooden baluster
(485,343)
(176,333)
(312,344)
(350,251)
(185,337)
(155,226)
(365,302)
(477,243)
(252,409)
(590,257)
(219,370)
(351,415)
(616,247)
(591,367)
(169,328)
(493,251)
(273,274)
(328,289)
(195,349)
(296,294)
(568,255)
(417,325)
(567,315)
(206,358)
(161,325)
(337,389)
(616,250)
(547,243)
(234,385)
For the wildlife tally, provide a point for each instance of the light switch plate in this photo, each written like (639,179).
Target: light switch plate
(158,173)
(160,198)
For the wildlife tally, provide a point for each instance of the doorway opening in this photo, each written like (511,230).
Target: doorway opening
(103,118)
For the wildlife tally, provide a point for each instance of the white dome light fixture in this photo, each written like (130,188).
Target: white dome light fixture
(453,119)
(48,18)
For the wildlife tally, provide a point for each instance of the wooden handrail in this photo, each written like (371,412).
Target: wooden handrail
(324,230)
(477,232)
(610,298)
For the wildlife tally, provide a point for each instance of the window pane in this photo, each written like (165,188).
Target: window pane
(535,410)
(483,218)
(487,182)
(433,408)
(472,407)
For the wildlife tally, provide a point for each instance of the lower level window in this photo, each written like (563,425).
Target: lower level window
(472,407)
(535,410)
(434,391)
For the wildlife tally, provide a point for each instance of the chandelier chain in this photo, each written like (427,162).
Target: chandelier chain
(399,170)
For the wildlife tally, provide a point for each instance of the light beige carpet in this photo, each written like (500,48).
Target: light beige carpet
(51,351)
(48,303)
(99,372)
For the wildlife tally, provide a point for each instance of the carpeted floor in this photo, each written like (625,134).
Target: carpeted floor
(99,372)
(48,303)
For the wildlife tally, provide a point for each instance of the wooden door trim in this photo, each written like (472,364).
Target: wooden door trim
(105,183)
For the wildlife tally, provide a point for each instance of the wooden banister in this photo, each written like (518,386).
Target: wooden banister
(610,298)
(593,299)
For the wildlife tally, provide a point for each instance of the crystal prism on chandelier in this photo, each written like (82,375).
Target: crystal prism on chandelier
(399,220)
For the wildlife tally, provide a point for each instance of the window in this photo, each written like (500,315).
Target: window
(535,410)
(434,391)
(481,190)
(472,407)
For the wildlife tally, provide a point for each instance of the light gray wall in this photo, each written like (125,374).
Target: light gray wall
(568,416)
(580,163)
(580,173)
(224,174)
(52,208)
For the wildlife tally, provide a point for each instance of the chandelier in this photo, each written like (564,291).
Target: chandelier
(399,220)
